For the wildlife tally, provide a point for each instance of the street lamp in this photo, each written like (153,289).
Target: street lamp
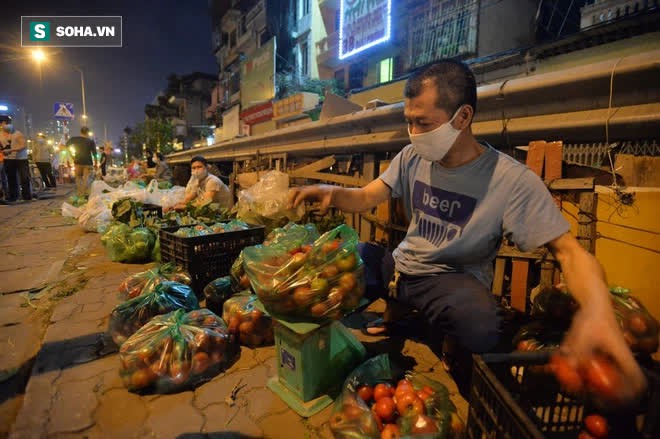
(39,56)
(82,86)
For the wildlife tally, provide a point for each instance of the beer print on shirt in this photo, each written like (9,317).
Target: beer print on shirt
(440,215)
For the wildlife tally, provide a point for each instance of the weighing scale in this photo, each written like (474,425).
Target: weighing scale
(312,358)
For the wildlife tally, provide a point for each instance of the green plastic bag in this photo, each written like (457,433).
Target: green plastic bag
(248,324)
(289,238)
(125,244)
(131,315)
(145,281)
(216,292)
(352,417)
(176,351)
(317,282)
(640,328)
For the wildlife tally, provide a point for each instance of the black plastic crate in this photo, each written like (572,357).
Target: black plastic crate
(206,257)
(152,210)
(511,399)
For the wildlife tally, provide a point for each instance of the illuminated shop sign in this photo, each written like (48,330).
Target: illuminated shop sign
(363,24)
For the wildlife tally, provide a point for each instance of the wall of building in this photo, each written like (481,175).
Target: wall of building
(505,25)
(629,242)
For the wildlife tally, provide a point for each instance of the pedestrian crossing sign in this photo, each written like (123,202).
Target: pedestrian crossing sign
(63,110)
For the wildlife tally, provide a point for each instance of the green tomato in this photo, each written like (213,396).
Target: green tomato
(320,286)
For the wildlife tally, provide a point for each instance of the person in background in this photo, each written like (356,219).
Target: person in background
(463,197)
(151,163)
(134,169)
(106,158)
(163,172)
(3,177)
(83,158)
(41,153)
(55,163)
(14,147)
(203,186)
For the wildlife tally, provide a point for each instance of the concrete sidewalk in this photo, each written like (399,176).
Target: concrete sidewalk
(54,337)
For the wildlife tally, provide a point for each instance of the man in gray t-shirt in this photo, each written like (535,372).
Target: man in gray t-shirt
(462,199)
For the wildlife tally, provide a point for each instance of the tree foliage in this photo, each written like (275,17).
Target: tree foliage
(288,83)
(156,134)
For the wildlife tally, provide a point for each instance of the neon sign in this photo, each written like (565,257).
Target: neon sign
(363,24)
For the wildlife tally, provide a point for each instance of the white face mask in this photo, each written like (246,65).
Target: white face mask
(434,145)
(199,174)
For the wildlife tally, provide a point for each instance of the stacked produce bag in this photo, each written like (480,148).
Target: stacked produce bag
(176,350)
(131,315)
(377,402)
(323,280)
(250,325)
(145,281)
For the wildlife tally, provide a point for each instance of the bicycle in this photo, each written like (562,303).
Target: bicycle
(37,184)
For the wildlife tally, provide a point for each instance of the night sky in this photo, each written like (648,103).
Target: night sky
(160,37)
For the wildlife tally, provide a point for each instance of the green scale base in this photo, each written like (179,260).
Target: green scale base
(311,360)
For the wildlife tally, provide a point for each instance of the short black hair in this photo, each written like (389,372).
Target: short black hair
(454,83)
(84,130)
(160,156)
(5,118)
(198,158)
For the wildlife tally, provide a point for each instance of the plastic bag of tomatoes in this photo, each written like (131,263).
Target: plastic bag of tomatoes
(175,351)
(640,328)
(145,281)
(250,325)
(377,402)
(131,315)
(288,238)
(319,281)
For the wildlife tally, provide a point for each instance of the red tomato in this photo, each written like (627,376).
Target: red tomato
(390,431)
(385,408)
(382,390)
(423,395)
(366,393)
(602,379)
(568,376)
(352,411)
(404,386)
(200,362)
(584,435)
(428,389)
(329,271)
(331,246)
(637,324)
(408,403)
(423,424)
(597,426)
(379,423)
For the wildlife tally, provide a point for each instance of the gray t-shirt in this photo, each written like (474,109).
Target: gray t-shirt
(222,194)
(458,216)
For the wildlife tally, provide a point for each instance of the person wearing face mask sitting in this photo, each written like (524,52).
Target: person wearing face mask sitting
(462,198)
(204,187)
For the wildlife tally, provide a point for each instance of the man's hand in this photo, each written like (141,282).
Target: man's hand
(598,332)
(322,193)
(595,329)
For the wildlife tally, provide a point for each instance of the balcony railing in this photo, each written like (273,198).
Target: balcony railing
(304,24)
(327,49)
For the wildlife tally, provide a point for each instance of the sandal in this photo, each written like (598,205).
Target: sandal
(400,328)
